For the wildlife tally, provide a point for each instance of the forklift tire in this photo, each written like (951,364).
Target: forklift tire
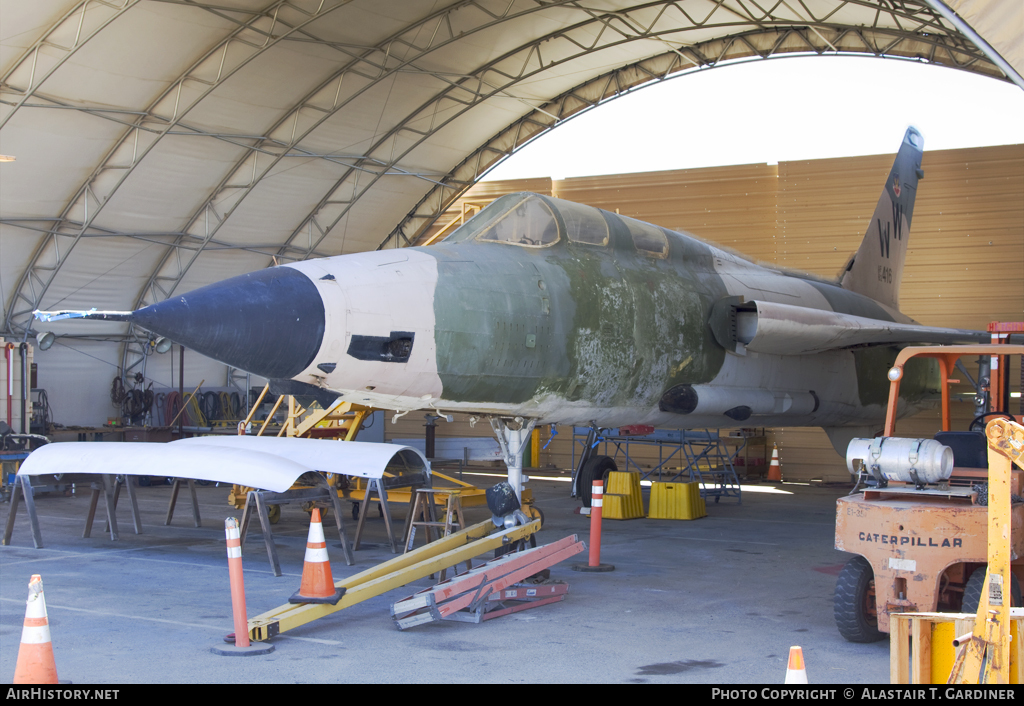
(855,618)
(975,585)
(597,468)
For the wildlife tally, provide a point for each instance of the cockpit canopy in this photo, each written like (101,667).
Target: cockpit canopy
(525,220)
(529,220)
(533,221)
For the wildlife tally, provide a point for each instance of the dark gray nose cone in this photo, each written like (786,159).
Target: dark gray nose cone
(269,323)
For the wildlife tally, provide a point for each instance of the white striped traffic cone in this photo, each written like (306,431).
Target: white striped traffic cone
(795,671)
(317,582)
(775,470)
(35,656)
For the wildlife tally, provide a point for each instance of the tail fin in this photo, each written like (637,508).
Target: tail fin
(875,271)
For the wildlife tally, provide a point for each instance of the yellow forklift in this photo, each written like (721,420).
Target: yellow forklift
(917,520)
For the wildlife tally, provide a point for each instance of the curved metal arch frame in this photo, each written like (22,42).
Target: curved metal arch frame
(931,20)
(935,42)
(384,48)
(73,230)
(68,20)
(609,86)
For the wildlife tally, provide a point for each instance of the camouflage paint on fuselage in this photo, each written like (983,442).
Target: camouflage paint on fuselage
(602,324)
(574,331)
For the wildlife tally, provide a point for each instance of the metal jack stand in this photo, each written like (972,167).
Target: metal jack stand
(380,487)
(127,481)
(23,488)
(174,499)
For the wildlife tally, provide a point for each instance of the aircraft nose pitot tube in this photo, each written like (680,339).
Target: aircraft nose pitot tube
(270,322)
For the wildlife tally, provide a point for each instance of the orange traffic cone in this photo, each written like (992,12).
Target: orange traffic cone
(35,656)
(317,581)
(775,470)
(795,672)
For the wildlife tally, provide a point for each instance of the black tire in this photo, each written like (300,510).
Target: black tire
(976,584)
(979,423)
(853,605)
(597,468)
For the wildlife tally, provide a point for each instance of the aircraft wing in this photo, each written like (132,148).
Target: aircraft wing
(267,463)
(785,329)
(351,458)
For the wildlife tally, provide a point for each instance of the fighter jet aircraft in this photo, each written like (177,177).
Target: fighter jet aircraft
(545,311)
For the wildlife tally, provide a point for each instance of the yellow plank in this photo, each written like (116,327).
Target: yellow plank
(899,650)
(943,653)
(921,642)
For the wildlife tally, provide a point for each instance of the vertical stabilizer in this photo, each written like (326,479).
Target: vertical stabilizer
(875,271)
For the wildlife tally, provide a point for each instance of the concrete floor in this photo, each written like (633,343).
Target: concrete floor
(718,600)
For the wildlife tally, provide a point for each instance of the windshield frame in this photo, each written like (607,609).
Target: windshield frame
(480,236)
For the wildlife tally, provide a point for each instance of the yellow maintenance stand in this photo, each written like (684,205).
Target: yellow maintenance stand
(988,649)
(403,569)
(985,654)
(342,421)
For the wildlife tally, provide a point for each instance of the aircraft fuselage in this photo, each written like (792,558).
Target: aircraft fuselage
(613,332)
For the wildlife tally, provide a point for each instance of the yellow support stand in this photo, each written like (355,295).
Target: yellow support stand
(398,571)
(622,500)
(922,650)
(985,656)
(676,501)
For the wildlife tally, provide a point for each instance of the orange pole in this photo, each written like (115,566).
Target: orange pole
(237,582)
(890,410)
(946,364)
(596,502)
(998,371)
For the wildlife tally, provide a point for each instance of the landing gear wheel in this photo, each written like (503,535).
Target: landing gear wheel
(597,468)
(976,584)
(854,603)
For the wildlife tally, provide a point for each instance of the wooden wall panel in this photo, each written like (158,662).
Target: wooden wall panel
(733,207)
(965,265)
